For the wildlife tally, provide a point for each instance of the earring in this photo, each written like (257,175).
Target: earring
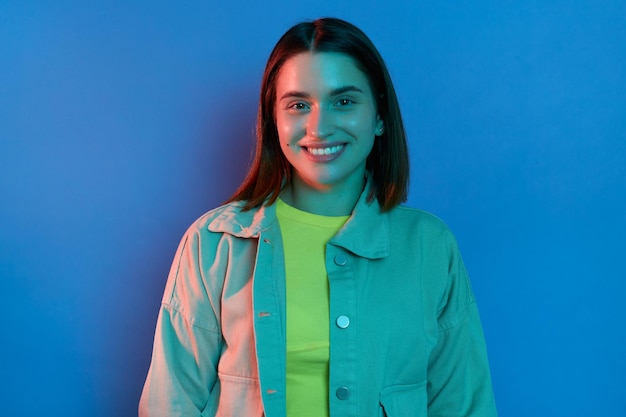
(381,130)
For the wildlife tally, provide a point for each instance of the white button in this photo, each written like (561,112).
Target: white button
(341,259)
(343,322)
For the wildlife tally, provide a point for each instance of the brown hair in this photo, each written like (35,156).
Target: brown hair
(388,161)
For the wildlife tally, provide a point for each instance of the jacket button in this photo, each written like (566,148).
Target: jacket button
(343,393)
(342,322)
(341,259)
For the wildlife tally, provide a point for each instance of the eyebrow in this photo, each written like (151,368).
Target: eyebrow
(334,92)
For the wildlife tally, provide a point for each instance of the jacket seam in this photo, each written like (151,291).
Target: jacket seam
(189,320)
(452,324)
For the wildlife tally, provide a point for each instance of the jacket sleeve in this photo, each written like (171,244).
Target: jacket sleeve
(459,381)
(187,343)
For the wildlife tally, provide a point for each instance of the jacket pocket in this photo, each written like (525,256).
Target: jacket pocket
(404,401)
(239,396)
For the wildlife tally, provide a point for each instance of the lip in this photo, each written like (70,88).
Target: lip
(323,152)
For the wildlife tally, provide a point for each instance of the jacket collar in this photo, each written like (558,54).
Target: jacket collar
(231,219)
(366,233)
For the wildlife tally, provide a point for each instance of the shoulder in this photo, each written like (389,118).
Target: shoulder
(226,210)
(231,219)
(421,228)
(416,219)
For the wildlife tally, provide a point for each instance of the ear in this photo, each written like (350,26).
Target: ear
(380,126)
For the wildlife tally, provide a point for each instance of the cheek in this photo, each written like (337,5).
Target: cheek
(285,128)
(285,135)
(363,126)
(364,120)
(290,130)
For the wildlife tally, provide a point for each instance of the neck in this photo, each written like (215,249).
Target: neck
(330,201)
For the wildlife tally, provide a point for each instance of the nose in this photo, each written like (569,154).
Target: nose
(320,124)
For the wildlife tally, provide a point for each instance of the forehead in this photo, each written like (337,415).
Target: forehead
(319,72)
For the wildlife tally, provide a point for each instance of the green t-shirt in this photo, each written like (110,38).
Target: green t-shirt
(304,237)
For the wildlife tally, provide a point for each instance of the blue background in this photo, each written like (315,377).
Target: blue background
(121,122)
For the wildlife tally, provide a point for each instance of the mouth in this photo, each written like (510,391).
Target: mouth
(329,150)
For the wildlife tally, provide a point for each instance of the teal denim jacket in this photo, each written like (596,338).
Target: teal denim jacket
(405,335)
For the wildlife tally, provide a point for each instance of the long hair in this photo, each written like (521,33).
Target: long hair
(388,162)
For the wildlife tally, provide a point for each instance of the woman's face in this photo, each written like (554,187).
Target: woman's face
(326,119)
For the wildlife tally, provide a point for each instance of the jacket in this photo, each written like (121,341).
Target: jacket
(405,335)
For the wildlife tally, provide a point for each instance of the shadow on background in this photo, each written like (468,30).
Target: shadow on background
(220,157)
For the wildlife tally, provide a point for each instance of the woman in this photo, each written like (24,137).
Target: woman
(312,292)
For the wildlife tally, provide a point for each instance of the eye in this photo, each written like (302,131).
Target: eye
(345,102)
(297,106)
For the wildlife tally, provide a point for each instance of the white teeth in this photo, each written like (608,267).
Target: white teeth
(325,151)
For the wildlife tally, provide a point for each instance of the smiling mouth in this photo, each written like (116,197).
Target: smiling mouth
(324,151)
